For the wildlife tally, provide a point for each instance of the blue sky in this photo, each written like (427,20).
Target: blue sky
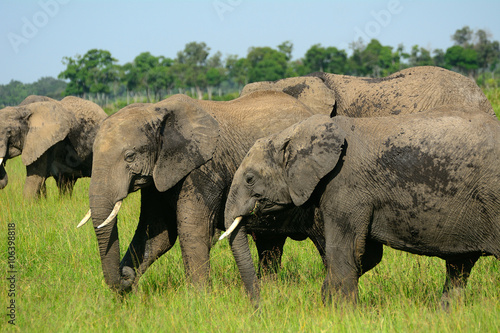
(36,34)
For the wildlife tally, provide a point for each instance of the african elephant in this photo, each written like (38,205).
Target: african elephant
(181,153)
(407,91)
(53,138)
(426,183)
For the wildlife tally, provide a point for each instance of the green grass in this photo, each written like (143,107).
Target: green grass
(493,95)
(60,288)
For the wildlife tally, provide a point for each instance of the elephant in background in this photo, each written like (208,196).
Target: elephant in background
(426,183)
(182,154)
(407,91)
(54,138)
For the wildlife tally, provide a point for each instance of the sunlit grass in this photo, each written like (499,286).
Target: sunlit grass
(60,288)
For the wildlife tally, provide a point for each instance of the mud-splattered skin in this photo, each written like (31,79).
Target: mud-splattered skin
(427,183)
(182,154)
(407,91)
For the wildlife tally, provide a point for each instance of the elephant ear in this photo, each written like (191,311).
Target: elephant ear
(188,138)
(311,149)
(48,124)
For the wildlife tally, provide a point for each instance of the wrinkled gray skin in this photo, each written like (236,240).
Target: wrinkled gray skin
(53,138)
(181,153)
(427,183)
(408,91)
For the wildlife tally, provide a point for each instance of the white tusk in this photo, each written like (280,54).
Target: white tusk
(231,228)
(85,219)
(1,160)
(113,214)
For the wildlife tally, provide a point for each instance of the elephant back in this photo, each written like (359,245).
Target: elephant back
(311,91)
(408,91)
(35,99)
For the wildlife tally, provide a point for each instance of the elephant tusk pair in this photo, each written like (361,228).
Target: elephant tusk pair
(110,218)
(231,228)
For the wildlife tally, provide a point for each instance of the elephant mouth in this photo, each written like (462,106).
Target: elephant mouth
(139,182)
(266,207)
(265,216)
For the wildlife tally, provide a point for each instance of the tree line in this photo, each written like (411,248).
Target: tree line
(97,75)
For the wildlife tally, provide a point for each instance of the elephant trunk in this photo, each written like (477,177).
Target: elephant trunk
(108,242)
(241,252)
(236,210)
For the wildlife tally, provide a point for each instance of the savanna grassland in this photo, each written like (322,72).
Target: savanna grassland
(59,285)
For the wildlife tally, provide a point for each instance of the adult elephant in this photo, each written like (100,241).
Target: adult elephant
(182,154)
(407,91)
(425,183)
(54,138)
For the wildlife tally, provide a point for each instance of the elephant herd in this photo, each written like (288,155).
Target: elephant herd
(409,161)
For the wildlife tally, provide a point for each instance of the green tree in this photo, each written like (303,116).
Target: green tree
(286,48)
(194,57)
(463,37)
(215,73)
(420,57)
(12,93)
(237,70)
(321,59)
(488,52)
(150,74)
(374,60)
(266,64)
(92,73)
(462,59)
(438,58)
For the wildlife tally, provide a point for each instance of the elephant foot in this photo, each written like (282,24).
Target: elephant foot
(127,279)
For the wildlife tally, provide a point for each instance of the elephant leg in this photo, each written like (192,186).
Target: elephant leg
(198,207)
(270,250)
(345,248)
(156,233)
(36,174)
(457,273)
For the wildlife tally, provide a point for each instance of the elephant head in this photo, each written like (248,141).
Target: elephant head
(30,130)
(279,172)
(143,145)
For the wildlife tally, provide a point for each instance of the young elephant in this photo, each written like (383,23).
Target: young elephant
(53,138)
(427,183)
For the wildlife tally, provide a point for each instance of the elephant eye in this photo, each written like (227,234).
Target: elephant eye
(129,156)
(250,179)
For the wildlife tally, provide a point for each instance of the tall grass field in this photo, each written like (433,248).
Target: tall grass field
(51,281)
